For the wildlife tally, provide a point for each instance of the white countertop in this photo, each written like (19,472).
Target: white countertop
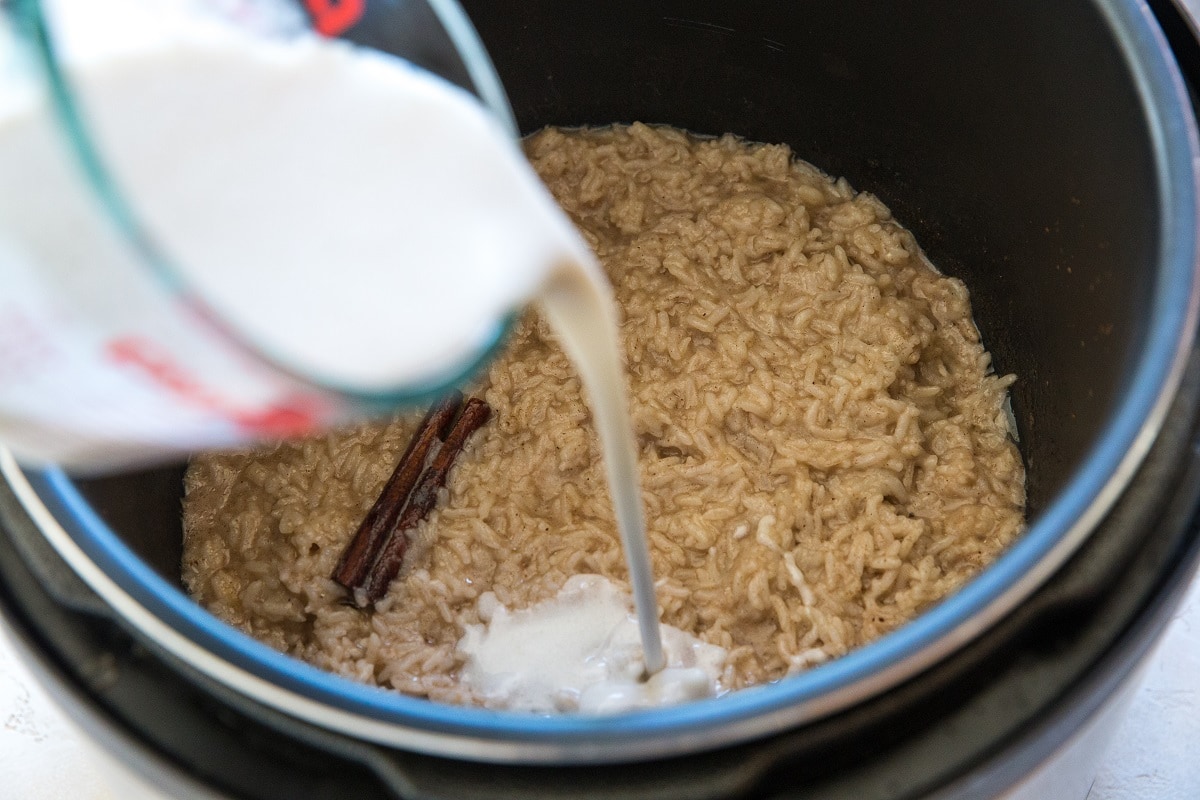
(1156,755)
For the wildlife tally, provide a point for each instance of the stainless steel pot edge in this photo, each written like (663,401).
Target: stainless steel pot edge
(518,742)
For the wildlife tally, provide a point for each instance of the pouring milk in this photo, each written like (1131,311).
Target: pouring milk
(280,294)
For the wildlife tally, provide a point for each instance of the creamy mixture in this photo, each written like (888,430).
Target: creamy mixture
(823,447)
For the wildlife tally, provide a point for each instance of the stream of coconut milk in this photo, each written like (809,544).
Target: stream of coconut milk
(414,226)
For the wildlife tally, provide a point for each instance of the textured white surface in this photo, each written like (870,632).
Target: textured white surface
(1156,754)
(41,755)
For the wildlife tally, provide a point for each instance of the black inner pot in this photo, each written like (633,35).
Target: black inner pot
(1009,137)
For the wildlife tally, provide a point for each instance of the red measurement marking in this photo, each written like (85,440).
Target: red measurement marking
(159,367)
(294,416)
(335,17)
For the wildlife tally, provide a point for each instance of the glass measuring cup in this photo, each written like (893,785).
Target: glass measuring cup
(111,358)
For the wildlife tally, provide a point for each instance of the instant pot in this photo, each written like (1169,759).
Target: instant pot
(1046,153)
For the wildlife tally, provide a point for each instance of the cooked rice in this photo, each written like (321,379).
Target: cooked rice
(824,452)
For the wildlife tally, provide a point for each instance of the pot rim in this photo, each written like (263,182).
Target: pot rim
(163,613)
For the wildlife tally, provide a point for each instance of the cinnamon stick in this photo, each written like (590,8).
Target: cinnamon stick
(387,565)
(381,520)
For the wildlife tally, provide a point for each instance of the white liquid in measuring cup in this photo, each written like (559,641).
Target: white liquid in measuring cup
(358,221)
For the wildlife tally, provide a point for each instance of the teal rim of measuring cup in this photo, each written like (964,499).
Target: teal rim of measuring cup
(475,57)
(29,22)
